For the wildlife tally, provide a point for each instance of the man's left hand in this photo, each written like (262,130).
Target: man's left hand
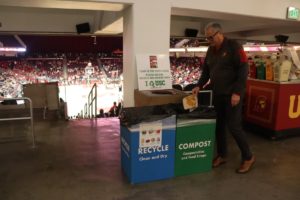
(235,99)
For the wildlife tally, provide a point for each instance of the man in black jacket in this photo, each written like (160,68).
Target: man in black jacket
(226,65)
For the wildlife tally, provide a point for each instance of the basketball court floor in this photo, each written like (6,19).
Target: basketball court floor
(76,97)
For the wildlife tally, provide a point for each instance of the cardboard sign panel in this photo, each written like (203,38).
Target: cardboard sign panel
(153,71)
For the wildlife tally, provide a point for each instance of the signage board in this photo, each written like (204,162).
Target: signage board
(154,72)
(292,13)
(150,135)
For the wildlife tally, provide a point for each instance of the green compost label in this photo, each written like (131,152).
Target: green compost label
(194,149)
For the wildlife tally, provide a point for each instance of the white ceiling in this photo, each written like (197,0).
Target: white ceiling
(238,26)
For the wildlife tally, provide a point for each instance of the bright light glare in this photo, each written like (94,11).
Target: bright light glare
(264,49)
(13,49)
(177,50)
(197,49)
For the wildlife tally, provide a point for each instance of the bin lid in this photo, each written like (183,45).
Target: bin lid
(167,123)
(136,115)
(194,122)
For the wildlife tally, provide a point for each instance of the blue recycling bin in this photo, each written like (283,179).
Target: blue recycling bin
(148,150)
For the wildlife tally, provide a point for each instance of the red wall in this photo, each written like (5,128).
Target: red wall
(80,44)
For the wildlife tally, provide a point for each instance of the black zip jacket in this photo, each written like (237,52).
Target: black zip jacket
(227,69)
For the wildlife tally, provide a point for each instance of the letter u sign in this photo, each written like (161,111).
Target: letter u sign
(293,114)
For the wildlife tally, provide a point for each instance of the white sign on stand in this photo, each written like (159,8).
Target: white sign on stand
(154,72)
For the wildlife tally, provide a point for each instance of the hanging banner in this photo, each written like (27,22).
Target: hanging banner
(153,71)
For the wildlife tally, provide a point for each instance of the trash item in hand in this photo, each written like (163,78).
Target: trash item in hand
(190,102)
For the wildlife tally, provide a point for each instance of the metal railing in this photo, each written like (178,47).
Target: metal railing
(85,111)
(204,91)
(91,99)
(22,118)
(45,112)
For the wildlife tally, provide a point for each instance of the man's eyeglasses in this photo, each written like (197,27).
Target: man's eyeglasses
(211,37)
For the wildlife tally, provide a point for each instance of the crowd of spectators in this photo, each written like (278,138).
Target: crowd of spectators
(16,71)
(48,68)
(186,70)
(191,43)
(27,68)
(174,41)
(113,65)
(11,84)
(70,55)
(51,67)
(7,64)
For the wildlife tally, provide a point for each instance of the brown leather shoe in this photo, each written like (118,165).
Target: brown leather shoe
(218,161)
(245,166)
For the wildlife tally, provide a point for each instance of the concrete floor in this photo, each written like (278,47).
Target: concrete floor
(80,160)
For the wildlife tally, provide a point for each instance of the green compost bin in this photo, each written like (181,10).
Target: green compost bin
(194,146)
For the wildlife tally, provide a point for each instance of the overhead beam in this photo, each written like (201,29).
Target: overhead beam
(270,31)
(64,4)
(114,28)
(109,17)
(20,41)
(214,15)
(230,26)
(250,28)
(230,16)
(108,22)
(98,15)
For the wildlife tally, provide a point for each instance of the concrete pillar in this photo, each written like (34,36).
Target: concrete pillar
(146,30)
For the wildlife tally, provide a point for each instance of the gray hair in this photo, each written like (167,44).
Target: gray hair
(214,26)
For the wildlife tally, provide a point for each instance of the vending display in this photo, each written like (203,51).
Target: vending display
(261,71)
(270,98)
(270,68)
(282,70)
(269,71)
(252,69)
(281,65)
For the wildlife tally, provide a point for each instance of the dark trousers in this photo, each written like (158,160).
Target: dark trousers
(230,116)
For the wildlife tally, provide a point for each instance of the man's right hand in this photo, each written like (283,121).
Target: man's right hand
(195,91)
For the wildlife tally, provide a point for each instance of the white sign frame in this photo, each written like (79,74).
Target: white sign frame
(154,71)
